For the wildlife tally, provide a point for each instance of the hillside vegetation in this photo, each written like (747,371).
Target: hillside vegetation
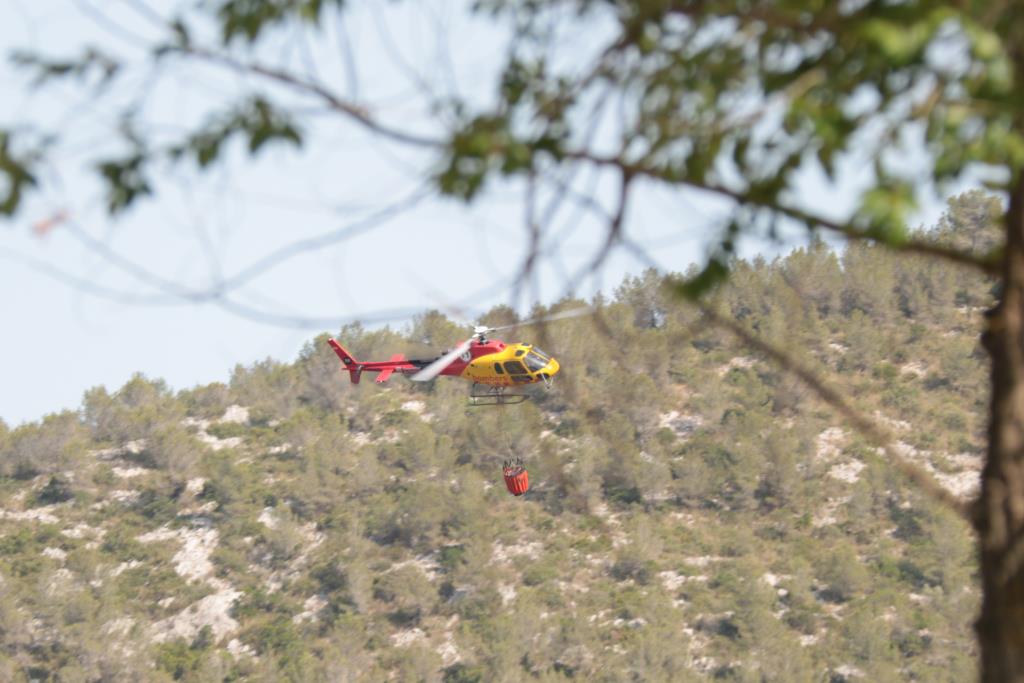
(695,512)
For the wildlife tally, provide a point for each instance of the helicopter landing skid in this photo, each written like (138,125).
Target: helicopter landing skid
(493,396)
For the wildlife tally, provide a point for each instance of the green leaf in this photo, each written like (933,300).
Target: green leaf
(91,62)
(251,19)
(985,43)
(256,119)
(884,211)
(17,173)
(713,274)
(126,181)
(207,151)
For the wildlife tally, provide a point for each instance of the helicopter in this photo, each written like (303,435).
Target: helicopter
(494,367)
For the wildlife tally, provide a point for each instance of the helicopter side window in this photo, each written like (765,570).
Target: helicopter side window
(535,362)
(520,352)
(514,367)
(497,369)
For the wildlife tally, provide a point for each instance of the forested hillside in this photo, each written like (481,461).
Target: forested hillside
(695,512)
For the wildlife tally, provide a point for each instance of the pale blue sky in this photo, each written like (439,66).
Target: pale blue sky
(59,340)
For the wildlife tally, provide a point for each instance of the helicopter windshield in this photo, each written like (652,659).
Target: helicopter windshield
(545,356)
(535,361)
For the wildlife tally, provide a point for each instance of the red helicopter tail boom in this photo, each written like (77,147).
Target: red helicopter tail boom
(386,368)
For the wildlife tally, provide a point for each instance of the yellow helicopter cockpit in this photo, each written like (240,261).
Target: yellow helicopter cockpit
(539,365)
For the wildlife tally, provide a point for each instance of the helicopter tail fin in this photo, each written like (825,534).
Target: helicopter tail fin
(355,369)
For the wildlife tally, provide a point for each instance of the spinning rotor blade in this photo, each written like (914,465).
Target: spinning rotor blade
(561,315)
(437,367)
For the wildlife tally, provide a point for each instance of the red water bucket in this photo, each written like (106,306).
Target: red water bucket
(517,479)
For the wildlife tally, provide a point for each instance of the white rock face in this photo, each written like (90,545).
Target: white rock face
(268,519)
(414,406)
(310,609)
(672,580)
(193,560)
(826,514)
(234,414)
(448,651)
(213,611)
(736,362)
(847,471)
(239,649)
(408,637)
(504,553)
(425,563)
(964,483)
(849,671)
(124,496)
(237,414)
(507,592)
(683,425)
(128,472)
(82,530)
(41,514)
(219,444)
(60,582)
(55,553)
(164,533)
(702,560)
(916,368)
(829,443)
(123,567)
(193,563)
(118,627)
(898,425)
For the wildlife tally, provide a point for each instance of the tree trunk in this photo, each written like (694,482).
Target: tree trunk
(999,515)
